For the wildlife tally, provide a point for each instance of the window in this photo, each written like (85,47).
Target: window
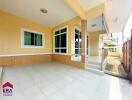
(61,41)
(78,41)
(31,39)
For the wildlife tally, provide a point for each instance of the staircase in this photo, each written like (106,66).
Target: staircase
(94,65)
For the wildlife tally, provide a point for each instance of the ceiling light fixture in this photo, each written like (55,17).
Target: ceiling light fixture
(43,10)
(93,25)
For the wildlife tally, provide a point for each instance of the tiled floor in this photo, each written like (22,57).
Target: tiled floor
(54,81)
(96,59)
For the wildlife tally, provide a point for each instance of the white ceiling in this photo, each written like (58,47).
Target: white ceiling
(117,13)
(58,11)
(88,4)
(97,21)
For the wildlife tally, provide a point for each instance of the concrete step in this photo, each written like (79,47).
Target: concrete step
(94,59)
(94,66)
(94,62)
(96,71)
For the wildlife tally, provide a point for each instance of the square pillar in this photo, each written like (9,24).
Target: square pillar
(84,41)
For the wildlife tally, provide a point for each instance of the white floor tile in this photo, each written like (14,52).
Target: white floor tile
(55,81)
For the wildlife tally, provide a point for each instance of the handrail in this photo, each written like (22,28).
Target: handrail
(2,74)
(104,56)
(104,51)
(104,22)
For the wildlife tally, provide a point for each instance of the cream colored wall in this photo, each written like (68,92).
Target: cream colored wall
(94,43)
(71,24)
(10,35)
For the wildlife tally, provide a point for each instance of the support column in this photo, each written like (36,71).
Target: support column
(84,40)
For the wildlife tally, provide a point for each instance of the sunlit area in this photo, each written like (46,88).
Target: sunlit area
(113,62)
(128,28)
(117,37)
(116,90)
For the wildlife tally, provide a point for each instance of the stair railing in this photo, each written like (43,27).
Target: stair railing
(1,75)
(105,25)
(104,56)
(104,51)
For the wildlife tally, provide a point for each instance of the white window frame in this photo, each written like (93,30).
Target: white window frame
(30,46)
(76,27)
(88,45)
(66,41)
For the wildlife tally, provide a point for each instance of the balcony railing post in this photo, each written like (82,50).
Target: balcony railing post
(104,56)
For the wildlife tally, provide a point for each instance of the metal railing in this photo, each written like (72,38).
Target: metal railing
(104,51)
(105,25)
(1,74)
(104,56)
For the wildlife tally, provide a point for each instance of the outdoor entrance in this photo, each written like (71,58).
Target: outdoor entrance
(113,61)
(95,28)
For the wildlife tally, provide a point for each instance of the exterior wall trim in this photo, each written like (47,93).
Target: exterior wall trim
(24,54)
(66,26)
(22,38)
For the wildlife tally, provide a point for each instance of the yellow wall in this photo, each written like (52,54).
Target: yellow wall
(94,43)
(66,59)
(71,24)
(94,36)
(10,38)
(10,35)
(10,28)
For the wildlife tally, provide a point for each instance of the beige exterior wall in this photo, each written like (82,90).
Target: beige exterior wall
(66,59)
(10,35)
(10,41)
(94,43)
(24,60)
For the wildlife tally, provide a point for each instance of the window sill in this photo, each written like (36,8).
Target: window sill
(32,47)
(61,53)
